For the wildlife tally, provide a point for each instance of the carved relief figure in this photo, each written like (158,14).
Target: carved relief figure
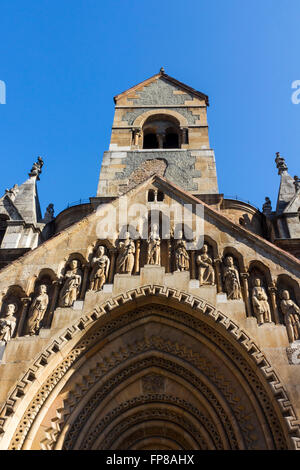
(125,260)
(153,253)
(182,259)
(71,285)
(8,323)
(232,280)
(37,310)
(260,303)
(206,270)
(100,268)
(291,313)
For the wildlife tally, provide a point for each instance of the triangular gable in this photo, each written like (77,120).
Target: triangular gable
(225,224)
(293,205)
(7,207)
(167,78)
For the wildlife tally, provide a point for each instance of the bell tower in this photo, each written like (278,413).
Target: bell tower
(160,126)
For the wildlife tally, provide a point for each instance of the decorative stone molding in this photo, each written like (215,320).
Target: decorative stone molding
(153,383)
(198,306)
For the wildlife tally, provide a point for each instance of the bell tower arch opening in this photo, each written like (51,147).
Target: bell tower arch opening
(161,132)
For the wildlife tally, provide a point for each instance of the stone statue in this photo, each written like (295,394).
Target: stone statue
(232,280)
(36,169)
(280,163)
(8,323)
(291,313)
(100,268)
(267,206)
(49,214)
(206,270)
(37,311)
(125,259)
(260,303)
(71,285)
(153,253)
(182,259)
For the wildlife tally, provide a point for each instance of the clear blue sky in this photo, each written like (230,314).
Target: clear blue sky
(64,60)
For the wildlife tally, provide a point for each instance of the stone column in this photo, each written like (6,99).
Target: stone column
(183,136)
(245,277)
(136,268)
(169,247)
(217,263)
(160,138)
(53,303)
(112,266)
(272,291)
(84,281)
(23,316)
(135,136)
(193,266)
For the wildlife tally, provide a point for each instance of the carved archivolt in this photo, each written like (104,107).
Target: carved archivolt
(198,315)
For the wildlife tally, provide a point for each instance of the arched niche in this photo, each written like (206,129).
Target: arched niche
(150,361)
(285,282)
(164,129)
(15,295)
(258,270)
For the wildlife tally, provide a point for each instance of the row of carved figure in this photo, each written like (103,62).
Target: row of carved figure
(71,284)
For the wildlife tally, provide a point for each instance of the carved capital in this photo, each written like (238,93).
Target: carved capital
(244,276)
(25,301)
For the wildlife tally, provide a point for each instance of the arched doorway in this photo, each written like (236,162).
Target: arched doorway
(156,369)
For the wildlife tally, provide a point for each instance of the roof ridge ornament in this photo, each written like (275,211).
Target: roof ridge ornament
(36,169)
(280,163)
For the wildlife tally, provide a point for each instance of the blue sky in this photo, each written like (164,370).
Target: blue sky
(63,61)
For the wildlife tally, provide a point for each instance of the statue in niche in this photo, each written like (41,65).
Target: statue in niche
(71,285)
(182,259)
(8,323)
(37,310)
(291,313)
(260,303)
(100,268)
(153,253)
(232,280)
(206,270)
(125,259)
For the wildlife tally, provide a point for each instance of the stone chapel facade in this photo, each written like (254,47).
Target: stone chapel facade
(160,315)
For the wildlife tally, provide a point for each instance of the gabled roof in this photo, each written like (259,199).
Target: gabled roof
(168,78)
(227,223)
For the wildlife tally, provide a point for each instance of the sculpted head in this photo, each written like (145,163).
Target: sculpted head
(257,282)
(180,235)
(229,261)
(101,250)
(74,264)
(42,289)
(205,249)
(285,295)
(10,309)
